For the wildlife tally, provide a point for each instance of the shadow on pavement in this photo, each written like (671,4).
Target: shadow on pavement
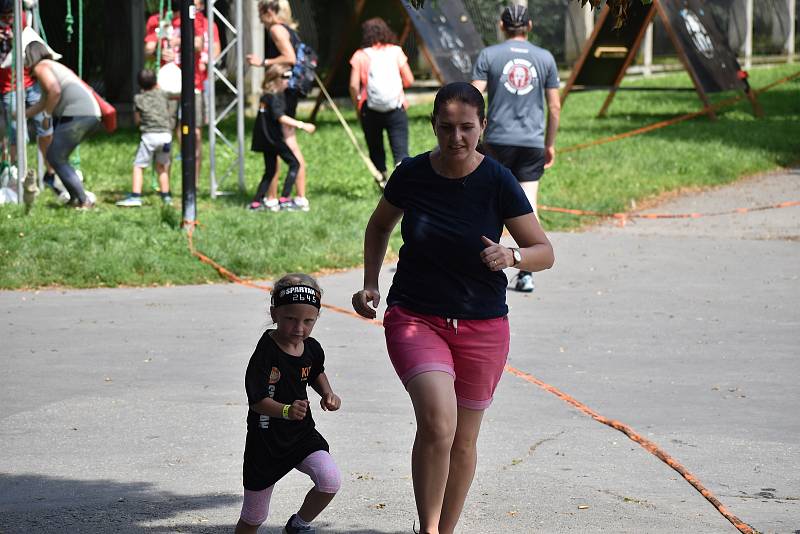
(35,503)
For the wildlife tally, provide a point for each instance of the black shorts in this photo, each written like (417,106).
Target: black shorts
(526,163)
(291,96)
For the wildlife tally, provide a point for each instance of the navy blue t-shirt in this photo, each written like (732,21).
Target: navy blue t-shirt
(440,271)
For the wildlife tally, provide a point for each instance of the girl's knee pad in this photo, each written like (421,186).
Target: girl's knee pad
(255,507)
(330,480)
(323,471)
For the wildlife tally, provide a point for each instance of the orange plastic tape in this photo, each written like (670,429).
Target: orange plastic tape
(628,431)
(693,215)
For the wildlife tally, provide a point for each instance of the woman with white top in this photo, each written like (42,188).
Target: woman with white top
(379,73)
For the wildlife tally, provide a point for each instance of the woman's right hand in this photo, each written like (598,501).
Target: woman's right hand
(361,300)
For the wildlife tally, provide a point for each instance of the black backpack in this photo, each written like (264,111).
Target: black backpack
(305,66)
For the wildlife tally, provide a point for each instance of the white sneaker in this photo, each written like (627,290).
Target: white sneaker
(272,204)
(524,282)
(302,203)
(130,202)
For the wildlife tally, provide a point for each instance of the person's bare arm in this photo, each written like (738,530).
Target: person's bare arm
(330,400)
(355,86)
(406,75)
(480,85)
(272,408)
(553,118)
(137,118)
(52,89)
(150,49)
(534,247)
(289,121)
(376,241)
(283,42)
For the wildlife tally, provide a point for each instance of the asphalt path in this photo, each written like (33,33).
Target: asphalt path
(122,410)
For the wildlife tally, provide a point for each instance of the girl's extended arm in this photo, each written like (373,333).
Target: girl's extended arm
(330,401)
(289,121)
(272,408)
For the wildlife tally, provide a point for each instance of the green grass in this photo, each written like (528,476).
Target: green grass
(54,246)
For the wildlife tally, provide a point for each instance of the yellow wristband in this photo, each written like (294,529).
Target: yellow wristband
(286,411)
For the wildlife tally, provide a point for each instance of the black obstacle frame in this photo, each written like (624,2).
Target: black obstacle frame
(445,34)
(702,50)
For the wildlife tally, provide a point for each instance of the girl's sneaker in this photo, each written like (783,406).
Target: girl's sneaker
(287,204)
(255,206)
(272,204)
(302,203)
(292,528)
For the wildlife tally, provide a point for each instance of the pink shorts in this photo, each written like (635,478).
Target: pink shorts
(473,352)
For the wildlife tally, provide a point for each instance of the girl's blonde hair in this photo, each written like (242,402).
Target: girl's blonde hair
(280,8)
(294,279)
(272,78)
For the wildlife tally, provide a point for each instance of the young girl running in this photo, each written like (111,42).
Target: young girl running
(280,430)
(268,139)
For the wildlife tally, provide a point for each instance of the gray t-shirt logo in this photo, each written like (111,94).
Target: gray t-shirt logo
(519,77)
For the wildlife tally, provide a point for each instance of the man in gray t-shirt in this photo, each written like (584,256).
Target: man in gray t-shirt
(521,78)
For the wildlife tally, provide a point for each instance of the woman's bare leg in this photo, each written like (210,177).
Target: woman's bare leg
(435,409)
(463,459)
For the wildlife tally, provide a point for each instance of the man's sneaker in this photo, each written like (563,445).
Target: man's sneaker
(272,204)
(287,204)
(290,528)
(130,201)
(255,206)
(524,282)
(302,203)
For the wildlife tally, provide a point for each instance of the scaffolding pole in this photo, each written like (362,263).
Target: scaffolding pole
(22,123)
(237,90)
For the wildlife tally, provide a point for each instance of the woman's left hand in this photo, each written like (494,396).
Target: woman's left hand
(496,256)
(330,402)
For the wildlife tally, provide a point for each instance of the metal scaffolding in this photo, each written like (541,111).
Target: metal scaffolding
(236,43)
(22,123)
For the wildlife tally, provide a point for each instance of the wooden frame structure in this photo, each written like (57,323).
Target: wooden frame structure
(594,50)
(408,27)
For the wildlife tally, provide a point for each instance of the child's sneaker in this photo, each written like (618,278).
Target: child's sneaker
(131,201)
(293,528)
(302,203)
(255,206)
(166,198)
(272,204)
(287,204)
